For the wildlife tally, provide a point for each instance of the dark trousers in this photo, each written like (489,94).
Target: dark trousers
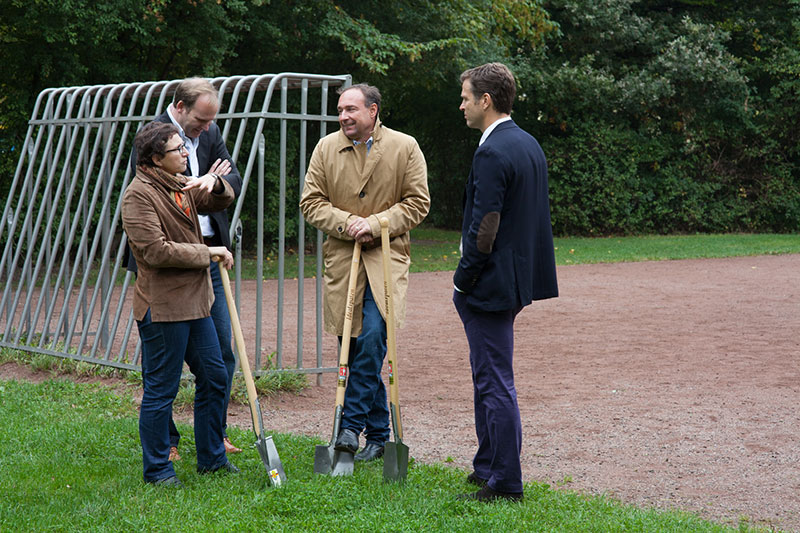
(165,346)
(222,323)
(365,407)
(497,421)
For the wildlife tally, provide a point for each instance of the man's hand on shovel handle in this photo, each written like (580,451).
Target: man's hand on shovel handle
(359,230)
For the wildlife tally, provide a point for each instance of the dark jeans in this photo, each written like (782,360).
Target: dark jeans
(365,406)
(497,421)
(165,346)
(222,323)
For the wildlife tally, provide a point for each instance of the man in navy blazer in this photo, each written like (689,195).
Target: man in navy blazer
(193,110)
(507,261)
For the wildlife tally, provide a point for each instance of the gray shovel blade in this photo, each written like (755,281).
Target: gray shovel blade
(342,463)
(395,461)
(269,456)
(323,458)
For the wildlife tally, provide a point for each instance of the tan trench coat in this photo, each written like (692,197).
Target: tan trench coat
(343,181)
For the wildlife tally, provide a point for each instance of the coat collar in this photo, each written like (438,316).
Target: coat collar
(343,142)
(375,153)
(493,126)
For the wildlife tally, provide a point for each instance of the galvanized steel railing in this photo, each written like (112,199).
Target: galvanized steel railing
(65,291)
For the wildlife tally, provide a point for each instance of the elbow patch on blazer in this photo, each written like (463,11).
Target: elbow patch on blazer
(487,232)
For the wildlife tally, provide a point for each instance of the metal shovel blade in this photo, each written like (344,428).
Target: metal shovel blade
(343,463)
(323,458)
(395,461)
(269,456)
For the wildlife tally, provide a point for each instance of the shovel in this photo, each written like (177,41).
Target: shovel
(395,454)
(265,445)
(326,459)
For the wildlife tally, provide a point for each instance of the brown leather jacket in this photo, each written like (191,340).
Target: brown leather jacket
(173,280)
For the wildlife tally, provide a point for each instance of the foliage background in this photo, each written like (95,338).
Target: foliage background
(656,116)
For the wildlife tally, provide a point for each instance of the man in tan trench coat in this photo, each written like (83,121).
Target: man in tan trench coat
(358,175)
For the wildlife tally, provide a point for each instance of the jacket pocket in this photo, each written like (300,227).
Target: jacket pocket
(496,289)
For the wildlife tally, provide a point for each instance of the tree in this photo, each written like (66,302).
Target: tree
(413,50)
(647,115)
(57,43)
(655,115)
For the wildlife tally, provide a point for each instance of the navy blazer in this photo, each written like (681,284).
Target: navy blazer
(507,258)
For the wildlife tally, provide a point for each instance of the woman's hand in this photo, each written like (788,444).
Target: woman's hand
(207,182)
(223,255)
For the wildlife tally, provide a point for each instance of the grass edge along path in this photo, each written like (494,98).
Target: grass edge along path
(436,250)
(70,460)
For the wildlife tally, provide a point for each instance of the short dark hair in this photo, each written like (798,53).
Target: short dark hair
(190,89)
(496,80)
(371,93)
(152,140)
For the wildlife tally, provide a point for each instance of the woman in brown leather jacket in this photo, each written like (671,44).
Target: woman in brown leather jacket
(173,297)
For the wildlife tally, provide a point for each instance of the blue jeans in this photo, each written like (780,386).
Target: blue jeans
(365,406)
(222,323)
(165,346)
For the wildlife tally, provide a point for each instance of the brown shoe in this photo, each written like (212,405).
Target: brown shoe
(229,447)
(173,454)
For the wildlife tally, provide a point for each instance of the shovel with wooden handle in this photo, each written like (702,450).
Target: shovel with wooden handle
(395,454)
(265,445)
(327,460)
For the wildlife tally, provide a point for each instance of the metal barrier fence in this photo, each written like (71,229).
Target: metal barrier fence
(65,292)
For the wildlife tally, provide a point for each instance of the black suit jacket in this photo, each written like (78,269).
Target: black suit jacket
(507,258)
(210,148)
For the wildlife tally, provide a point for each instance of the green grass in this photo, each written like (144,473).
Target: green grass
(575,250)
(266,384)
(436,249)
(58,366)
(70,461)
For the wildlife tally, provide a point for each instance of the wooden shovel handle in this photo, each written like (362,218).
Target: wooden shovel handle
(344,352)
(391,340)
(252,397)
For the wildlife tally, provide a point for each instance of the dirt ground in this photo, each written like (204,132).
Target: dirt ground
(671,385)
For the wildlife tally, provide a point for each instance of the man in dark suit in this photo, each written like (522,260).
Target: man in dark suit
(507,261)
(193,110)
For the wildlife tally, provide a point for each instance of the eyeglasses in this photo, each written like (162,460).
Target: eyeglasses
(180,148)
